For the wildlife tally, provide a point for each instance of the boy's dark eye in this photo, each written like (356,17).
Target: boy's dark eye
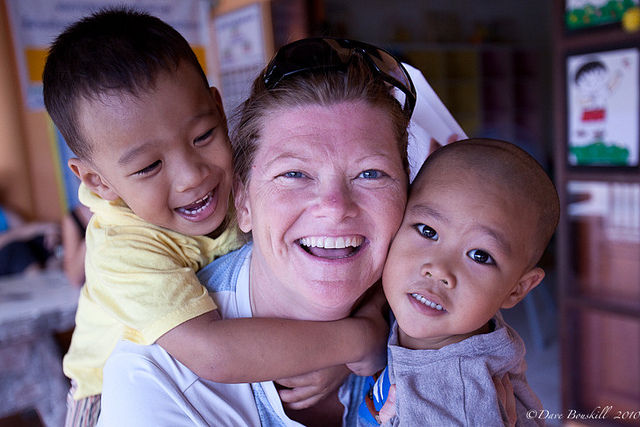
(481,256)
(427,231)
(149,168)
(204,136)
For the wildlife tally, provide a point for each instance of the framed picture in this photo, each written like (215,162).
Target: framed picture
(581,14)
(602,108)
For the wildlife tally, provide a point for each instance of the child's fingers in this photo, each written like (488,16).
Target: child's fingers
(453,138)
(304,380)
(504,390)
(323,379)
(300,397)
(305,390)
(388,410)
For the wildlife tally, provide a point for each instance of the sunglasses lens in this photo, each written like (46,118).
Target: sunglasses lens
(304,55)
(387,64)
(322,53)
(308,55)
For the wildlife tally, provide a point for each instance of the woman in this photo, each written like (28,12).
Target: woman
(321,184)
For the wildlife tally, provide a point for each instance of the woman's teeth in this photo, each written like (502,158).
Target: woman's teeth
(331,242)
(426,302)
(332,247)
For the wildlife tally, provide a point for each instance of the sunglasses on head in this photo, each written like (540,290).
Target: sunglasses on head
(320,53)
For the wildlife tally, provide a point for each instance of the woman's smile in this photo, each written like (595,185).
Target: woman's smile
(332,247)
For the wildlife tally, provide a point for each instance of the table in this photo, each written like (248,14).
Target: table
(33,308)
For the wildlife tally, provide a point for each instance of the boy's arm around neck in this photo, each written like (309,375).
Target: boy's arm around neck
(262,349)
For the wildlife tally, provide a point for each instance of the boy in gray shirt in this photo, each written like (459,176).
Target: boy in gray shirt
(480,214)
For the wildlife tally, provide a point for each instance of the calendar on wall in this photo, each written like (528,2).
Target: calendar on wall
(243,51)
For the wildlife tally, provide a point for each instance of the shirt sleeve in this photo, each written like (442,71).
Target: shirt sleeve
(148,282)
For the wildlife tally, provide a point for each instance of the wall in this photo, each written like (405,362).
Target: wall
(13,161)
(27,174)
(223,6)
(376,21)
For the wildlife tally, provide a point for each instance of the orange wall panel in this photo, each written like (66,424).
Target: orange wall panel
(28,175)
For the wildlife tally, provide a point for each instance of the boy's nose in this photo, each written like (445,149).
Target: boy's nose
(191,175)
(439,273)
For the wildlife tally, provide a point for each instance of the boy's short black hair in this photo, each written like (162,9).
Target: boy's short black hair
(114,50)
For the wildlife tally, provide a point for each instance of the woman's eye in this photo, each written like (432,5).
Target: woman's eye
(370,174)
(481,257)
(148,169)
(293,174)
(427,231)
(204,136)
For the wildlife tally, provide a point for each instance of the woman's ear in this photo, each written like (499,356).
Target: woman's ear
(92,179)
(527,282)
(243,209)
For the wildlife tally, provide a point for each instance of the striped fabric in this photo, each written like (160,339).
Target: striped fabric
(83,412)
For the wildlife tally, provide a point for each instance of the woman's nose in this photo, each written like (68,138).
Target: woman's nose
(438,272)
(336,199)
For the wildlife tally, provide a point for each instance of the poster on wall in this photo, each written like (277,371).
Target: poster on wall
(580,14)
(602,108)
(36,23)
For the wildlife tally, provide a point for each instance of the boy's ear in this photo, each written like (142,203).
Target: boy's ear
(527,282)
(218,100)
(243,210)
(92,179)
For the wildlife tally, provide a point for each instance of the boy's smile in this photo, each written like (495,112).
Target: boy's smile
(164,151)
(428,303)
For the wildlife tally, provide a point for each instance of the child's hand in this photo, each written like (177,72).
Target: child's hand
(374,311)
(507,397)
(388,410)
(306,390)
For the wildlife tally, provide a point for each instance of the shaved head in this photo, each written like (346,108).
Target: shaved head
(507,167)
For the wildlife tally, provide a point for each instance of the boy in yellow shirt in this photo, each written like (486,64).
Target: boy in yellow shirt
(130,98)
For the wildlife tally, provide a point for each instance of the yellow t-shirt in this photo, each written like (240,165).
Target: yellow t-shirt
(140,283)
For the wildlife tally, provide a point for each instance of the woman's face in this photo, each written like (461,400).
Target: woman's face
(325,196)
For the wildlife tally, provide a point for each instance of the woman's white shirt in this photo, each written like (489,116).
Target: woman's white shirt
(144,385)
